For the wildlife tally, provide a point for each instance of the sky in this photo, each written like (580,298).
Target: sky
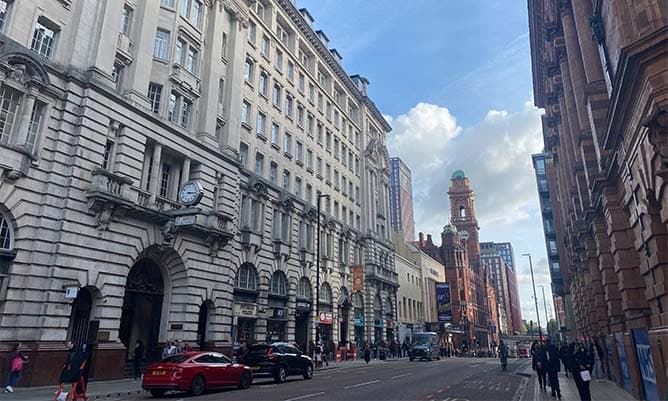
(453,78)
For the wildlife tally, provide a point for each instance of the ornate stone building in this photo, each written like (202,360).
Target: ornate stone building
(600,73)
(159,178)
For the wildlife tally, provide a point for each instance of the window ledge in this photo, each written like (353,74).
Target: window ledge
(261,136)
(288,155)
(275,146)
(300,163)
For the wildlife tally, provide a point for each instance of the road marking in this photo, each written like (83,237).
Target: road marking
(440,391)
(398,376)
(306,396)
(360,384)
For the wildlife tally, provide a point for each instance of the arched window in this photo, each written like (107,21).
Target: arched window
(80,317)
(304,289)
(7,252)
(279,284)
(462,211)
(326,294)
(246,278)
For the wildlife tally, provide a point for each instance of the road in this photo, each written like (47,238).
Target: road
(445,380)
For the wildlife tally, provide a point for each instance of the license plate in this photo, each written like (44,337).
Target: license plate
(255,368)
(159,373)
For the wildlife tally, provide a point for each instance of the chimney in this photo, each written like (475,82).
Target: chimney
(323,38)
(307,16)
(361,83)
(421,239)
(429,239)
(336,55)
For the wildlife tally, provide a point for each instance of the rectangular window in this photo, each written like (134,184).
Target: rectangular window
(287,143)
(298,187)
(126,19)
(185,7)
(4,12)
(35,125)
(273,173)
(291,71)
(164,179)
(275,134)
(328,173)
(154,96)
(172,110)
(179,51)
(108,153)
(196,13)
(191,62)
(251,32)
(328,143)
(117,73)
(278,60)
(309,158)
(288,106)
(276,96)
(167,3)
(265,47)
(286,180)
(261,119)
(243,154)
(300,115)
(301,81)
(161,44)
(299,151)
(186,112)
(319,166)
(262,83)
(10,100)
(309,125)
(319,137)
(43,39)
(248,70)
(308,195)
(223,46)
(245,112)
(259,164)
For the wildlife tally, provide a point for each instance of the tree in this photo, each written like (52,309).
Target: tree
(553,327)
(524,330)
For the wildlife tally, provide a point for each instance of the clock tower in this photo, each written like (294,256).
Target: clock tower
(463,215)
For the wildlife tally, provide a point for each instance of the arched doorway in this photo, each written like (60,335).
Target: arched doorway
(203,324)
(80,317)
(142,308)
(344,315)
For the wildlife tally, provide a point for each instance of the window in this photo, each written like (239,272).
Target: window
(286,180)
(309,125)
(165,179)
(319,137)
(299,151)
(320,102)
(246,278)
(191,61)
(126,19)
(336,178)
(279,284)
(288,106)
(301,80)
(261,119)
(259,164)
(248,70)
(319,166)
(336,148)
(196,13)
(154,96)
(179,56)
(245,112)
(300,115)
(344,185)
(6,249)
(243,154)
(265,47)
(117,73)
(172,110)
(108,154)
(328,144)
(273,173)
(287,143)
(4,12)
(167,3)
(276,96)
(223,46)
(309,193)
(185,7)
(298,187)
(251,32)
(35,125)
(311,93)
(278,60)
(161,44)
(291,71)
(304,289)
(10,100)
(262,83)
(275,134)
(309,159)
(186,112)
(43,39)
(328,173)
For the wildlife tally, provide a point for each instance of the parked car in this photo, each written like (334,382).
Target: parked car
(195,372)
(424,346)
(278,360)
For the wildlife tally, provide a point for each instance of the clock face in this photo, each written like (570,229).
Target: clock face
(464,234)
(191,193)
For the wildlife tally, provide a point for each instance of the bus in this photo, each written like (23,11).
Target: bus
(424,346)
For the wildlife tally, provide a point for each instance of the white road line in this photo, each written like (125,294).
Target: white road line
(306,396)
(398,376)
(360,384)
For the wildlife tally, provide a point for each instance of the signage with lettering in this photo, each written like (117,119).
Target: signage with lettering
(245,310)
(326,317)
(623,363)
(646,364)
(443,302)
(280,313)
(358,278)
(71,292)
(303,305)
(185,220)
(359,321)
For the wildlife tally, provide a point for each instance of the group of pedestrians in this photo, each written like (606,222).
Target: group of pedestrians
(579,359)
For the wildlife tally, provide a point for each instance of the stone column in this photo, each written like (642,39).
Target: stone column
(23,127)
(154,179)
(185,172)
(609,280)
(599,315)
(229,142)
(138,74)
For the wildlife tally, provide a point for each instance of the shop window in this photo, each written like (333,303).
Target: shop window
(279,284)
(7,252)
(304,289)
(246,278)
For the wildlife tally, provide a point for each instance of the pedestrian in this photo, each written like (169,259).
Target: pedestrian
(318,355)
(178,346)
(503,355)
(538,364)
(87,351)
(73,366)
(597,352)
(566,356)
(186,347)
(16,361)
(553,367)
(138,357)
(367,354)
(325,353)
(583,361)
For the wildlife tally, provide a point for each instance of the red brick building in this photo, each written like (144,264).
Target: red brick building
(600,72)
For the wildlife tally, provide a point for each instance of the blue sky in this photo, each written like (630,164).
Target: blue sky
(453,78)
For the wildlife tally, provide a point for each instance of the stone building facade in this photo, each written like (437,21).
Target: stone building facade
(600,73)
(401,199)
(160,176)
(499,259)
(410,303)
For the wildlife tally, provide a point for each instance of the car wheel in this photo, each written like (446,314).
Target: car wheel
(281,375)
(308,372)
(157,393)
(245,380)
(197,386)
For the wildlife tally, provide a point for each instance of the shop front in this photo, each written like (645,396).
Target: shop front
(276,324)
(245,316)
(303,310)
(358,319)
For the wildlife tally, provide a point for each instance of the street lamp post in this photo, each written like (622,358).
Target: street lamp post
(535,298)
(317,269)
(547,317)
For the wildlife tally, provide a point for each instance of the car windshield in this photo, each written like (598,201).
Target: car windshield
(422,339)
(258,349)
(176,358)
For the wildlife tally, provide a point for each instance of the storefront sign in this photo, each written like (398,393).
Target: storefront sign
(326,317)
(303,305)
(443,302)
(623,362)
(71,292)
(646,364)
(358,278)
(245,310)
(359,321)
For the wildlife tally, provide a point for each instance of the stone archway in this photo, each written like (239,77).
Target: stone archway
(82,308)
(206,310)
(142,307)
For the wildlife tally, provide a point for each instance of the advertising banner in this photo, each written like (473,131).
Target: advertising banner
(326,317)
(623,362)
(443,302)
(358,278)
(646,364)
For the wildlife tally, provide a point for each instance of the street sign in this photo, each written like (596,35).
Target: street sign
(185,220)
(71,292)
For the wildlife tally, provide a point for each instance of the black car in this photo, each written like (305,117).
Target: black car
(277,360)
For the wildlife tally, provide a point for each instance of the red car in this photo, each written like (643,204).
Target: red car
(195,372)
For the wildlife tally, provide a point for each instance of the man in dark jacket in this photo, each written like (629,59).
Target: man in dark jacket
(553,365)
(566,357)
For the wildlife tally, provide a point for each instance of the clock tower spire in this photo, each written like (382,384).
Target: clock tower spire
(463,217)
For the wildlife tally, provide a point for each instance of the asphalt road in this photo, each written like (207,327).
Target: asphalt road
(445,380)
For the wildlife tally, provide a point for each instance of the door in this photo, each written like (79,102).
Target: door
(226,373)
(206,365)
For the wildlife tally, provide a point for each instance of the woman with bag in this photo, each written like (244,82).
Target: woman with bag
(16,361)
(583,360)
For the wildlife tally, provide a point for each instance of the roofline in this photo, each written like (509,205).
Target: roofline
(536,28)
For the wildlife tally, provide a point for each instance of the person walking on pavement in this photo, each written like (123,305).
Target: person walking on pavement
(583,361)
(538,364)
(566,356)
(139,356)
(367,354)
(553,366)
(16,360)
(503,355)
(325,353)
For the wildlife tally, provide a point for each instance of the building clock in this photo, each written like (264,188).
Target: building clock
(191,193)
(464,235)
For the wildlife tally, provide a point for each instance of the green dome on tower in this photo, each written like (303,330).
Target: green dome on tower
(458,174)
